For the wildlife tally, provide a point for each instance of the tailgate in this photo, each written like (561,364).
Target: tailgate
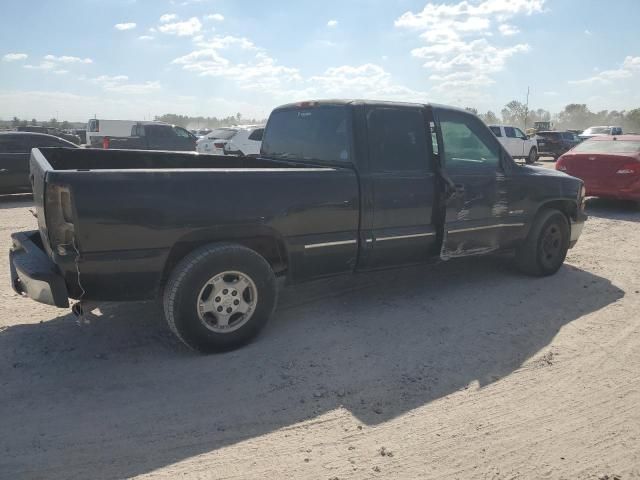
(39,167)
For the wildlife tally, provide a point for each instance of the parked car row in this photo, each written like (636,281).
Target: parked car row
(245,140)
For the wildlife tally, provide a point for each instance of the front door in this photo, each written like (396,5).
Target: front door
(477,208)
(399,188)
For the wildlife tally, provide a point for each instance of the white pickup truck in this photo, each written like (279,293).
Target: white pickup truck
(516,142)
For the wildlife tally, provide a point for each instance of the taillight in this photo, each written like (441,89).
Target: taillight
(560,165)
(59,219)
(106,142)
(629,169)
(219,144)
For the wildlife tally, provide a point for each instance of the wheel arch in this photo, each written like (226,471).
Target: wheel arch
(263,240)
(565,205)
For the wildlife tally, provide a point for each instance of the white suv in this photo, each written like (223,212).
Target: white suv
(516,142)
(241,140)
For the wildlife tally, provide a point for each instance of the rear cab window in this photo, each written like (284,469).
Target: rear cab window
(317,133)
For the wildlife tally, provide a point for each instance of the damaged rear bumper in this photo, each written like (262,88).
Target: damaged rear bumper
(577,226)
(33,273)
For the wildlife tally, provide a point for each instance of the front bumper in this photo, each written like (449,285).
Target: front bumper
(33,273)
(576,229)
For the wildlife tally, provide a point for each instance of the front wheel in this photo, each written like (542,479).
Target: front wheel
(546,246)
(219,297)
(533,156)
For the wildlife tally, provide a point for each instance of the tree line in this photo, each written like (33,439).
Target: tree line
(574,116)
(189,122)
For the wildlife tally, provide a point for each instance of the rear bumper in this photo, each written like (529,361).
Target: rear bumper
(576,228)
(33,273)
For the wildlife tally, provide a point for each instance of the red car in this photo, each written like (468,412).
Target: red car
(608,165)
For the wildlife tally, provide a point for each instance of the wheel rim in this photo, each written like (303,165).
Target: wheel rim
(227,301)
(551,245)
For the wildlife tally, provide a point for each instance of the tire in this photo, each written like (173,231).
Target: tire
(219,278)
(533,156)
(545,248)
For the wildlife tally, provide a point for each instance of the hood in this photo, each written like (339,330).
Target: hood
(543,172)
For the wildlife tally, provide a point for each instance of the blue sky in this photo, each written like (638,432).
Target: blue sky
(139,58)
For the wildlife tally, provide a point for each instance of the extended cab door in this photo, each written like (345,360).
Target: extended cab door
(477,206)
(398,188)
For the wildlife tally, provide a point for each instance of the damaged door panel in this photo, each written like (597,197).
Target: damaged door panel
(477,201)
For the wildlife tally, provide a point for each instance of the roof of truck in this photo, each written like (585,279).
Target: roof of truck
(349,101)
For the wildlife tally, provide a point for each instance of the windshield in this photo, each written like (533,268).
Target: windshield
(222,134)
(317,133)
(608,146)
(597,131)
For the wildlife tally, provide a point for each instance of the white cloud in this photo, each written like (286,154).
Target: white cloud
(332,23)
(13,57)
(182,29)
(550,93)
(630,66)
(457,49)
(120,84)
(61,72)
(41,66)
(125,26)
(145,37)
(168,17)
(588,32)
(217,17)
(508,30)
(368,80)
(67,59)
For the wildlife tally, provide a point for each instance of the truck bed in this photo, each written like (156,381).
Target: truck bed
(132,211)
(113,159)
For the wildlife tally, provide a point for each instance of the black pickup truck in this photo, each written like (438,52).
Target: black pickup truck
(340,186)
(152,136)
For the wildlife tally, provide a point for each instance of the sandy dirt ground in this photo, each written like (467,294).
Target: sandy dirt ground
(462,370)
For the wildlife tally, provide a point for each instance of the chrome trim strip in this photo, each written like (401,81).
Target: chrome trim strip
(329,244)
(486,227)
(400,237)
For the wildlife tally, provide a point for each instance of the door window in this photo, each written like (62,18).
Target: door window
(397,140)
(496,131)
(469,146)
(13,144)
(256,135)
(510,132)
(520,133)
(181,132)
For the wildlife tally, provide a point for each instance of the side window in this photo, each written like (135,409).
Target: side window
(257,134)
(496,131)
(181,132)
(510,132)
(469,147)
(520,133)
(397,140)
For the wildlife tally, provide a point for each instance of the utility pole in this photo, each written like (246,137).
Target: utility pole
(526,111)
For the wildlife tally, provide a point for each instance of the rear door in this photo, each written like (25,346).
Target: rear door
(478,199)
(398,188)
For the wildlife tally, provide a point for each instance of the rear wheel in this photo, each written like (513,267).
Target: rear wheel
(219,297)
(546,246)
(533,156)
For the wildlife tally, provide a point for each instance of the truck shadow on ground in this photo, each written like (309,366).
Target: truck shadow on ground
(114,395)
(613,209)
